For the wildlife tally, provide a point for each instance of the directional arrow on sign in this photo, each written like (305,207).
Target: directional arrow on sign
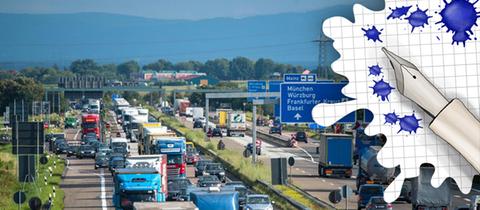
(297,116)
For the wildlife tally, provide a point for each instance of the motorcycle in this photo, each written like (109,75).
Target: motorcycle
(249,149)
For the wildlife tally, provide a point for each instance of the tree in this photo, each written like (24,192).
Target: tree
(197,99)
(241,68)
(20,88)
(127,68)
(218,68)
(189,65)
(264,68)
(83,66)
(161,64)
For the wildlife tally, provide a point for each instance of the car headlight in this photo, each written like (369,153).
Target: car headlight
(205,173)
(82,152)
(222,173)
(248,208)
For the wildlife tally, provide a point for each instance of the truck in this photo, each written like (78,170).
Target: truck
(370,171)
(196,112)
(132,127)
(236,125)
(120,142)
(127,114)
(215,199)
(137,185)
(147,135)
(158,162)
(171,205)
(222,118)
(424,196)
(181,105)
(176,150)
(91,124)
(336,153)
(94,106)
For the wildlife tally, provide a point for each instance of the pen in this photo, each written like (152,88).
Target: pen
(452,121)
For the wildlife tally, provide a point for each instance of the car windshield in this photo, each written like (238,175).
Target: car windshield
(258,200)
(209,179)
(119,144)
(201,163)
(178,184)
(118,162)
(86,147)
(174,159)
(191,150)
(119,150)
(301,134)
(214,167)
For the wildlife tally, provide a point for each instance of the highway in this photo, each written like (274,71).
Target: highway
(87,188)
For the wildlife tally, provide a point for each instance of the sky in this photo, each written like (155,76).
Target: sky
(169,9)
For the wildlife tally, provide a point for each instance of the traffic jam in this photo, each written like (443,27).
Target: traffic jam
(151,167)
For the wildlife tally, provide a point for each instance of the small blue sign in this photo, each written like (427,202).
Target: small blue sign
(298,99)
(300,78)
(274,85)
(256,86)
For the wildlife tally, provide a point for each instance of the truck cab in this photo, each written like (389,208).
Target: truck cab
(137,185)
(90,124)
(175,149)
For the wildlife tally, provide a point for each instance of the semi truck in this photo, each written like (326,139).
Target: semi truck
(133,125)
(336,153)
(90,124)
(127,114)
(424,196)
(176,150)
(181,106)
(171,205)
(158,162)
(196,112)
(370,171)
(215,199)
(137,185)
(148,133)
(222,118)
(236,125)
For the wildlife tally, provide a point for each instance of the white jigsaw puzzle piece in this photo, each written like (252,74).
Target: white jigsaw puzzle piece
(453,69)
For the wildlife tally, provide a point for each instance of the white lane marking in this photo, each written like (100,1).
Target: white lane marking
(323,180)
(331,184)
(309,155)
(457,196)
(102,188)
(76,135)
(466,199)
(68,163)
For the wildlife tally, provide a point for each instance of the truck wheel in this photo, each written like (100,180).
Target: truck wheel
(320,171)
(96,167)
(259,152)
(242,135)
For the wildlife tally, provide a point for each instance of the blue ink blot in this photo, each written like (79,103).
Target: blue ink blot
(373,34)
(375,70)
(459,16)
(418,18)
(438,38)
(382,89)
(391,118)
(409,123)
(398,12)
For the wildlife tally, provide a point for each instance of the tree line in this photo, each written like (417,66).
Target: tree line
(239,68)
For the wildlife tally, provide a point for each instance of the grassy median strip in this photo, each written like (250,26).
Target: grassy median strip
(237,164)
(10,184)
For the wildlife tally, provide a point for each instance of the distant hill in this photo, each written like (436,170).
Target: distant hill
(45,39)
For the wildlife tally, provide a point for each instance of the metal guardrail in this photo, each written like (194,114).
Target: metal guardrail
(268,138)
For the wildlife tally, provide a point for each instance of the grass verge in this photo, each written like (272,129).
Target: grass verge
(10,184)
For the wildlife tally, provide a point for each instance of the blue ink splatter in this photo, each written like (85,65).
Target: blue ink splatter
(373,34)
(438,38)
(418,18)
(391,118)
(382,89)
(409,123)
(398,12)
(459,16)
(375,70)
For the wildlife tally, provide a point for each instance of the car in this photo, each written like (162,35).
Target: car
(198,124)
(192,156)
(301,136)
(101,160)
(217,132)
(177,188)
(258,202)
(71,122)
(119,151)
(90,135)
(49,137)
(95,144)
(366,191)
(275,129)
(86,151)
(377,202)
(215,169)
(199,166)
(240,188)
(116,162)
(208,181)
(72,150)
(61,148)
